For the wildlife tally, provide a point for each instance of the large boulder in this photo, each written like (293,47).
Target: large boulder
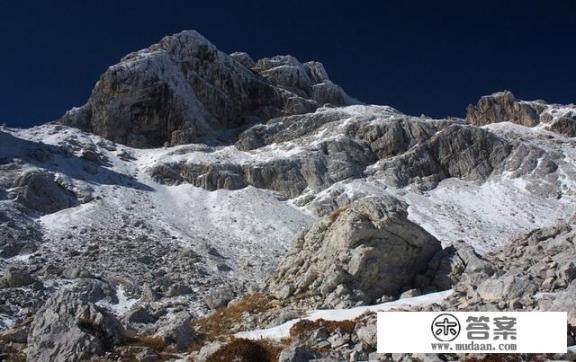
(184,89)
(72,327)
(39,191)
(358,254)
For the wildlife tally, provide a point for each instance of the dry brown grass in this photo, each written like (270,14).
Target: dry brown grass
(221,322)
(245,350)
(336,213)
(306,325)
(154,342)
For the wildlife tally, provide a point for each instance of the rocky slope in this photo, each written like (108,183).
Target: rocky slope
(194,181)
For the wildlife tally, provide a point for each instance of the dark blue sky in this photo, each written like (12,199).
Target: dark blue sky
(431,57)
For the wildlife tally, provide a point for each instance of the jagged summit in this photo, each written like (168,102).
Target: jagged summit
(183,89)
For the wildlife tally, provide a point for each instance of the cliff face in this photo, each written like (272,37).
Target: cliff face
(184,90)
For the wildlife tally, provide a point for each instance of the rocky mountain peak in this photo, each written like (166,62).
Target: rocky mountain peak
(183,90)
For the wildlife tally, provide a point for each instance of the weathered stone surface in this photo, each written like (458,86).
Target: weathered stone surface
(400,150)
(565,125)
(333,161)
(139,315)
(183,89)
(17,278)
(297,354)
(456,151)
(38,190)
(20,233)
(219,297)
(369,250)
(447,266)
(503,107)
(71,327)
(177,330)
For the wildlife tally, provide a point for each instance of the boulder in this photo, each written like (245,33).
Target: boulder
(448,265)
(39,191)
(72,327)
(219,297)
(361,253)
(18,278)
(176,329)
(297,354)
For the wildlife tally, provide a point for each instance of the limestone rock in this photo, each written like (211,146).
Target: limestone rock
(39,191)
(369,250)
(71,327)
(184,89)
(17,278)
(177,329)
(457,151)
(503,107)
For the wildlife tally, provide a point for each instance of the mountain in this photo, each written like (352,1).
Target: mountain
(193,181)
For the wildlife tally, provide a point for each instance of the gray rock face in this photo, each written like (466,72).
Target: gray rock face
(183,89)
(20,234)
(447,266)
(564,125)
(511,278)
(71,327)
(177,330)
(219,297)
(503,107)
(17,278)
(333,161)
(297,354)
(456,151)
(37,190)
(369,250)
(328,146)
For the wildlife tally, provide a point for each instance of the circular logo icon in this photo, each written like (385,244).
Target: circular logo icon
(445,327)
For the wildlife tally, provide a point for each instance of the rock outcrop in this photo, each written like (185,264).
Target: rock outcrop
(72,327)
(20,233)
(356,255)
(457,151)
(503,107)
(536,271)
(402,151)
(184,89)
(39,191)
(562,121)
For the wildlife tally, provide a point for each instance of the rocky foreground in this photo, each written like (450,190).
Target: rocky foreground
(200,200)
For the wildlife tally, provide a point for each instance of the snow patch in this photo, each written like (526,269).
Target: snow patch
(283,330)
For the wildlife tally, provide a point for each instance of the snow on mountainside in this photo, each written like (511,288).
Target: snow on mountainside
(192,178)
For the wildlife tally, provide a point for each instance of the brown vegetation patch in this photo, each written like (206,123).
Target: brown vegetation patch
(306,325)
(336,213)
(245,350)
(156,343)
(222,321)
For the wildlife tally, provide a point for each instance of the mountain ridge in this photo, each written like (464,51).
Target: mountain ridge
(166,197)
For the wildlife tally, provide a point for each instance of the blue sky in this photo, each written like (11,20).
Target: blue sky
(431,57)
